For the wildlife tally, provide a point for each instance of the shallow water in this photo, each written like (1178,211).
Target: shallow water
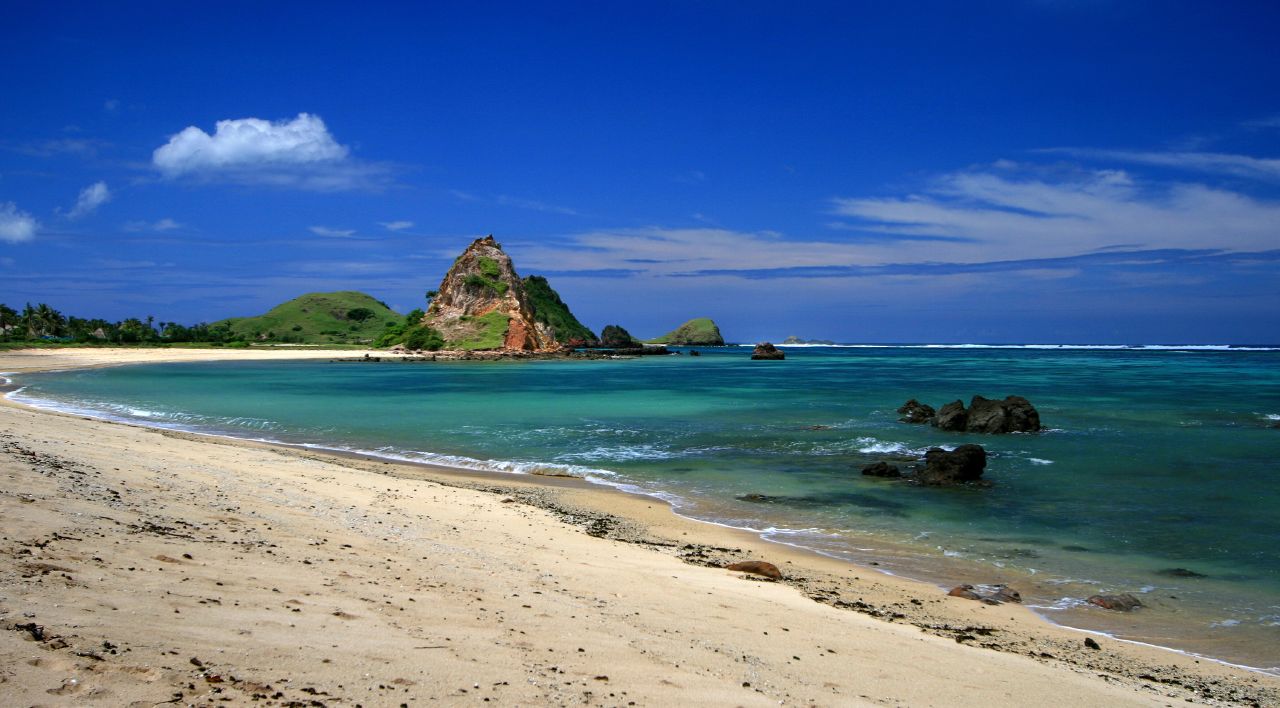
(1154,460)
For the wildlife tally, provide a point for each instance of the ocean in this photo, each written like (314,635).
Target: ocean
(1157,473)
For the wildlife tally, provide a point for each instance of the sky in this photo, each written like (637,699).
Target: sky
(1024,171)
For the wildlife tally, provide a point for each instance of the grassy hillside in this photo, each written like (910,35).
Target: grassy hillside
(698,332)
(550,310)
(345,317)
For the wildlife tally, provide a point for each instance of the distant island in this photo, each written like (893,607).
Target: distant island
(700,332)
(796,340)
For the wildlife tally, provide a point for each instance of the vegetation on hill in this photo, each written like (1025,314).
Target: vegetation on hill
(697,332)
(412,333)
(550,310)
(344,317)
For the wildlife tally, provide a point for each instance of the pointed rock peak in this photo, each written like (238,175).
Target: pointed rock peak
(482,304)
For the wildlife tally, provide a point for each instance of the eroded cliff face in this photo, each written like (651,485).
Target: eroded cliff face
(482,304)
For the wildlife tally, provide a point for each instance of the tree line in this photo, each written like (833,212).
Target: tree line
(42,323)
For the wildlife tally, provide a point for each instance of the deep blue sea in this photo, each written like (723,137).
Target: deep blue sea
(1154,460)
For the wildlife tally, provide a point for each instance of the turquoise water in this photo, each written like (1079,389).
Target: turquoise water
(1153,459)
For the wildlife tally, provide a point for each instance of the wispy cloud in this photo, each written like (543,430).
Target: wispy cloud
(91,197)
(1005,217)
(516,202)
(1260,168)
(165,224)
(79,147)
(16,226)
(298,153)
(396,225)
(331,233)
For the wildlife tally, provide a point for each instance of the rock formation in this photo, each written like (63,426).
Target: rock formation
(615,337)
(1014,414)
(767,352)
(482,304)
(701,332)
(762,568)
(550,310)
(963,464)
(951,417)
(914,411)
(881,469)
(1123,602)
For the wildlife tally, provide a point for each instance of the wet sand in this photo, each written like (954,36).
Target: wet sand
(147,566)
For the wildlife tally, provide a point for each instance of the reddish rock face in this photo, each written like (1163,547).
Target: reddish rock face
(483,281)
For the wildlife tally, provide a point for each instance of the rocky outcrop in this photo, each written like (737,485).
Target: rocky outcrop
(961,465)
(481,304)
(914,411)
(988,594)
(550,310)
(1121,603)
(767,352)
(951,417)
(761,568)
(1014,414)
(881,469)
(615,337)
(700,332)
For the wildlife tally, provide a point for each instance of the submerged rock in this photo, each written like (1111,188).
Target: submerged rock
(767,352)
(1180,573)
(761,568)
(951,417)
(914,411)
(963,464)
(881,469)
(1123,602)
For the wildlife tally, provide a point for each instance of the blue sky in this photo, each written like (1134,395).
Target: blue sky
(950,172)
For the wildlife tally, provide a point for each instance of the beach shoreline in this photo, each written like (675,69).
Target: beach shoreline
(893,623)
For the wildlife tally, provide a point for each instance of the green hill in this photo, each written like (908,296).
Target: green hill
(550,310)
(701,332)
(345,317)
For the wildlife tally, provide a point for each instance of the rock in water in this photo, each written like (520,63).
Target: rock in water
(1121,603)
(963,464)
(914,411)
(951,417)
(767,570)
(700,332)
(767,352)
(615,337)
(482,304)
(1013,414)
(881,469)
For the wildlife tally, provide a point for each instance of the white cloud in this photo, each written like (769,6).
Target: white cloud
(396,225)
(91,197)
(165,224)
(16,226)
(998,214)
(1215,162)
(249,141)
(331,233)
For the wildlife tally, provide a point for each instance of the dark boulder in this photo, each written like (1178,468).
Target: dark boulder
(1180,573)
(761,568)
(963,464)
(914,411)
(615,337)
(951,417)
(881,469)
(1014,414)
(1121,603)
(767,352)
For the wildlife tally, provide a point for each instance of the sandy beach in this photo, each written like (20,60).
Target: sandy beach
(141,567)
